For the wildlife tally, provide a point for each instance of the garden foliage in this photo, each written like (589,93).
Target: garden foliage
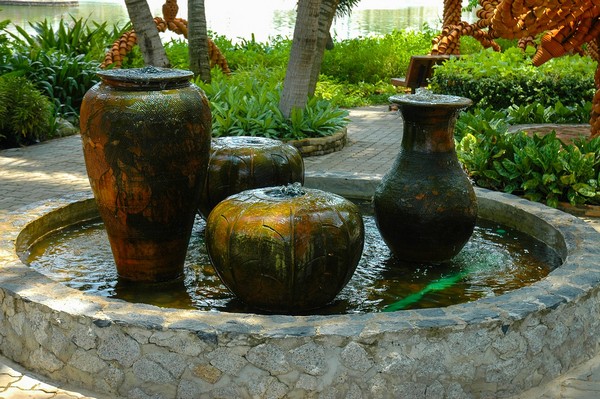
(61,61)
(45,75)
(26,115)
(503,79)
(246,104)
(540,168)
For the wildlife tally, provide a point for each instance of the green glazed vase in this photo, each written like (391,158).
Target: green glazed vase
(425,206)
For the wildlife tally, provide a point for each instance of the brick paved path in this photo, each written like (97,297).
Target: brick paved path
(56,168)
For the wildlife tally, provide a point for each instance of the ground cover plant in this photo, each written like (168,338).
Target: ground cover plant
(540,168)
(246,104)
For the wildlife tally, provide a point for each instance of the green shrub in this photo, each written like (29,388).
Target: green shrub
(500,80)
(247,103)
(540,168)
(364,59)
(177,53)
(64,78)
(559,113)
(375,59)
(247,54)
(25,114)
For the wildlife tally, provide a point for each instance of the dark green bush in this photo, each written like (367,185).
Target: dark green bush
(500,80)
(26,115)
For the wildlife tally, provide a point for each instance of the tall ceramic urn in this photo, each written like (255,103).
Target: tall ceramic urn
(425,206)
(146,142)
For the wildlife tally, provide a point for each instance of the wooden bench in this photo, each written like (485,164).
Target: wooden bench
(420,69)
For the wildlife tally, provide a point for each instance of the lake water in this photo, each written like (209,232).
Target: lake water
(240,19)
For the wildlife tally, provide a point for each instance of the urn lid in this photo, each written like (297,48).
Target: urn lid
(425,98)
(147,78)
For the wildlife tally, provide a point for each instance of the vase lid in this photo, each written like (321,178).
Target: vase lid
(147,76)
(426,98)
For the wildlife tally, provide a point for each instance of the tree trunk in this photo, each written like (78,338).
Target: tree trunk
(198,40)
(302,56)
(328,9)
(147,35)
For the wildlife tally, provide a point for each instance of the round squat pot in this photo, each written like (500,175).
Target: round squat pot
(285,249)
(240,163)
(425,206)
(146,141)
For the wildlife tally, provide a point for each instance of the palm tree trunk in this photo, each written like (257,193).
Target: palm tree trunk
(302,56)
(147,34)
(328,9)
(198,40)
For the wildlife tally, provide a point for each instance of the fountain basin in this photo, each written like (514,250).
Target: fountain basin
(494,347)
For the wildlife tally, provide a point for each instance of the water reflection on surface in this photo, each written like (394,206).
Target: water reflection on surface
(494,261)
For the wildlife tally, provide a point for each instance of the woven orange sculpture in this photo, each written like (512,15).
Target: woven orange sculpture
(564,26)
(125,43)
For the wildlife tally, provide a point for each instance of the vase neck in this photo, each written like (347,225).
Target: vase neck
(428,129)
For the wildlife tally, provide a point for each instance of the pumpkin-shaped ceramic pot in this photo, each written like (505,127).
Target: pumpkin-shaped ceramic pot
(284,249)
(240,163)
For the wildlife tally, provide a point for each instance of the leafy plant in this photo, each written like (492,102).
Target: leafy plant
(247,103)
(500,80)
(64,78)
(25,114)
(559,113)
(76,37)
(347,95)
(373,59)
(250,53)
(540,168)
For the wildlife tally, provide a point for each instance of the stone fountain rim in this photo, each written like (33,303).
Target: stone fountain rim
(575,278)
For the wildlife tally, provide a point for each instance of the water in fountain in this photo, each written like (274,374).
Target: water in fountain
(496,260)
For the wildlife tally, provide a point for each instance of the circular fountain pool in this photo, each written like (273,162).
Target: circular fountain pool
(492,347)
(496,260)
